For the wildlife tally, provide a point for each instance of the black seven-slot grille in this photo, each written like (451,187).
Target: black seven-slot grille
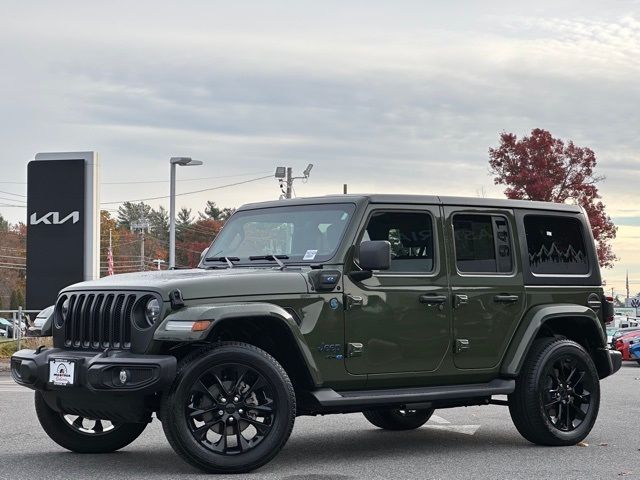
(99,320)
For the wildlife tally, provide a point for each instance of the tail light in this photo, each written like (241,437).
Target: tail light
(607,309)
(619,344)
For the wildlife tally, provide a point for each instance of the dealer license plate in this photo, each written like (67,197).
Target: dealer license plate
(62,372)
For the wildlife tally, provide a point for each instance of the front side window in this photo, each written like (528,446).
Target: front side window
(410,235)
(482,244)
(555,245)
(300,233)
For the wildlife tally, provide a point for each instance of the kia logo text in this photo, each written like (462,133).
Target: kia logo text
(53,218)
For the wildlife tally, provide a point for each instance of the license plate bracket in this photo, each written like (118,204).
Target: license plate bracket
(62,371)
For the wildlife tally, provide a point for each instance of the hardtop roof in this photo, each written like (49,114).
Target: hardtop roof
(384,198)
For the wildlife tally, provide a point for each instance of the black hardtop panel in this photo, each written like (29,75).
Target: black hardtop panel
(385,198)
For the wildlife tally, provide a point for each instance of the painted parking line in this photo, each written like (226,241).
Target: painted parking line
(9,386)
(438,423)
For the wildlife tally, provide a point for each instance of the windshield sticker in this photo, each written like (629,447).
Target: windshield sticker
(310,255)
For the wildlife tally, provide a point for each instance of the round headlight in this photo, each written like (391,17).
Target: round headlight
(64,310)
(152,311)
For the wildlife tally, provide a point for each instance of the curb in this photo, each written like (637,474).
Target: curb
(4,365)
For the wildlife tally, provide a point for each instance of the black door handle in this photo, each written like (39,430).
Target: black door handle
(506,298)
(433,299)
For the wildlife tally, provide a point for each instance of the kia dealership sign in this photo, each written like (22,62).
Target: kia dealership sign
(63,224)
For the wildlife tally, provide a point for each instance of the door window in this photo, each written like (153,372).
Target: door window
(482,244)
(411,237)
(555,245)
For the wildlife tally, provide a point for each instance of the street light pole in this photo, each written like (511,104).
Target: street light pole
(172,217)
(184,161)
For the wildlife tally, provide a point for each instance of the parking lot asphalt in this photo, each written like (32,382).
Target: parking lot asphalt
(473,442)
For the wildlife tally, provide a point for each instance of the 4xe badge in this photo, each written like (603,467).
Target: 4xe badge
(333,350)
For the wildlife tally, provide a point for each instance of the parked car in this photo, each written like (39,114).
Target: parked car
(634,351)
(6,328)
(623,343)
(35,330)
(620,333)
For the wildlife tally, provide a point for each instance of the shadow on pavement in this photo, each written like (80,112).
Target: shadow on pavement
(312,452)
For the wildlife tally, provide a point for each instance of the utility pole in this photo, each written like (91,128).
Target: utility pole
(289,182)
(286,178)
(141,225)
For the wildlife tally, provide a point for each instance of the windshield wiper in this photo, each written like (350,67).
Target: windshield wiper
(229,260)
(275,258)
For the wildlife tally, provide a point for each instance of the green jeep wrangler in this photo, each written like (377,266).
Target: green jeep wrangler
(389,305)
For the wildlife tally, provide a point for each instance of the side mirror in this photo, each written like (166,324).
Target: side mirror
(372,255)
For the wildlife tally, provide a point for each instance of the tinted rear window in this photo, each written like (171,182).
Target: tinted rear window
(556,245)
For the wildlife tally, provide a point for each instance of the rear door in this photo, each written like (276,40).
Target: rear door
(486,284)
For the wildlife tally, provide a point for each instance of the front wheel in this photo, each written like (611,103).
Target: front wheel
(230,410)
(557,394)
(83,435)
(396,419)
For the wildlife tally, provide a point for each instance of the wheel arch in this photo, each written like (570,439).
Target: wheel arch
(264,325)
(575,322)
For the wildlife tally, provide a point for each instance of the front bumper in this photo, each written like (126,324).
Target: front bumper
(98,390)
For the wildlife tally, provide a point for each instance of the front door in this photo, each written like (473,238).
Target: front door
(399,320)
(486,284)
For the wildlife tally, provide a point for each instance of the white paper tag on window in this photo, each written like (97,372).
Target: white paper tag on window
(310,255)
(549,234)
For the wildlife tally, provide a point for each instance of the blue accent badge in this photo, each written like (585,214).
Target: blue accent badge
(334,303)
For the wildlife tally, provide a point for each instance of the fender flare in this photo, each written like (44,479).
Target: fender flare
(222,312)
(531,324)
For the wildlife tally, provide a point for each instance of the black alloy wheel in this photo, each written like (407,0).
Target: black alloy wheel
(84,435)
(567,389)
(398,419)
(230,409)
(557,394)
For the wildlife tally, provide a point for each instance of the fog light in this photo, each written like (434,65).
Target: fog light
(124,376)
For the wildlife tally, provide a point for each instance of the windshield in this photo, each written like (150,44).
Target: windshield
(297,234)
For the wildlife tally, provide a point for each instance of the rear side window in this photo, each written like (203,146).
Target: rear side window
(411,237)
(556,245)
(483,244)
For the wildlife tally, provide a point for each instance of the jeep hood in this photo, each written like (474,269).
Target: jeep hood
(199,283)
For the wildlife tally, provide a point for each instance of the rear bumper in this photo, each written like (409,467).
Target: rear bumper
(616,361)
(607,361)
(98,389)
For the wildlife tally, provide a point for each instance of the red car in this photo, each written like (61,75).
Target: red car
(623,343)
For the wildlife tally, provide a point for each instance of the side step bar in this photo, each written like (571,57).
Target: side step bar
(328,397)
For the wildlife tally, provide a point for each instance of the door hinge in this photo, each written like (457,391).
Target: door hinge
(459,300)
(354,349)
(353,301)
(462,344)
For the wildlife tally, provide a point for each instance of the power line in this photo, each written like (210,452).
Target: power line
(188,193)
(15,194)
(186,179)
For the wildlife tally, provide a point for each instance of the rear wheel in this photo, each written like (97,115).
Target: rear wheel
(84,435)
(557,394)
(230,410)
(396,419)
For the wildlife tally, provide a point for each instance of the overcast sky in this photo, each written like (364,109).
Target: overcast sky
(402,96)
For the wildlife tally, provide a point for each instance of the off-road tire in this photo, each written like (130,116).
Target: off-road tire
(394,419)
(67,437)
(176,427)
(526,403)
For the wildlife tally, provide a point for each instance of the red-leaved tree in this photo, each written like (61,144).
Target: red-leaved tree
(540,167)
